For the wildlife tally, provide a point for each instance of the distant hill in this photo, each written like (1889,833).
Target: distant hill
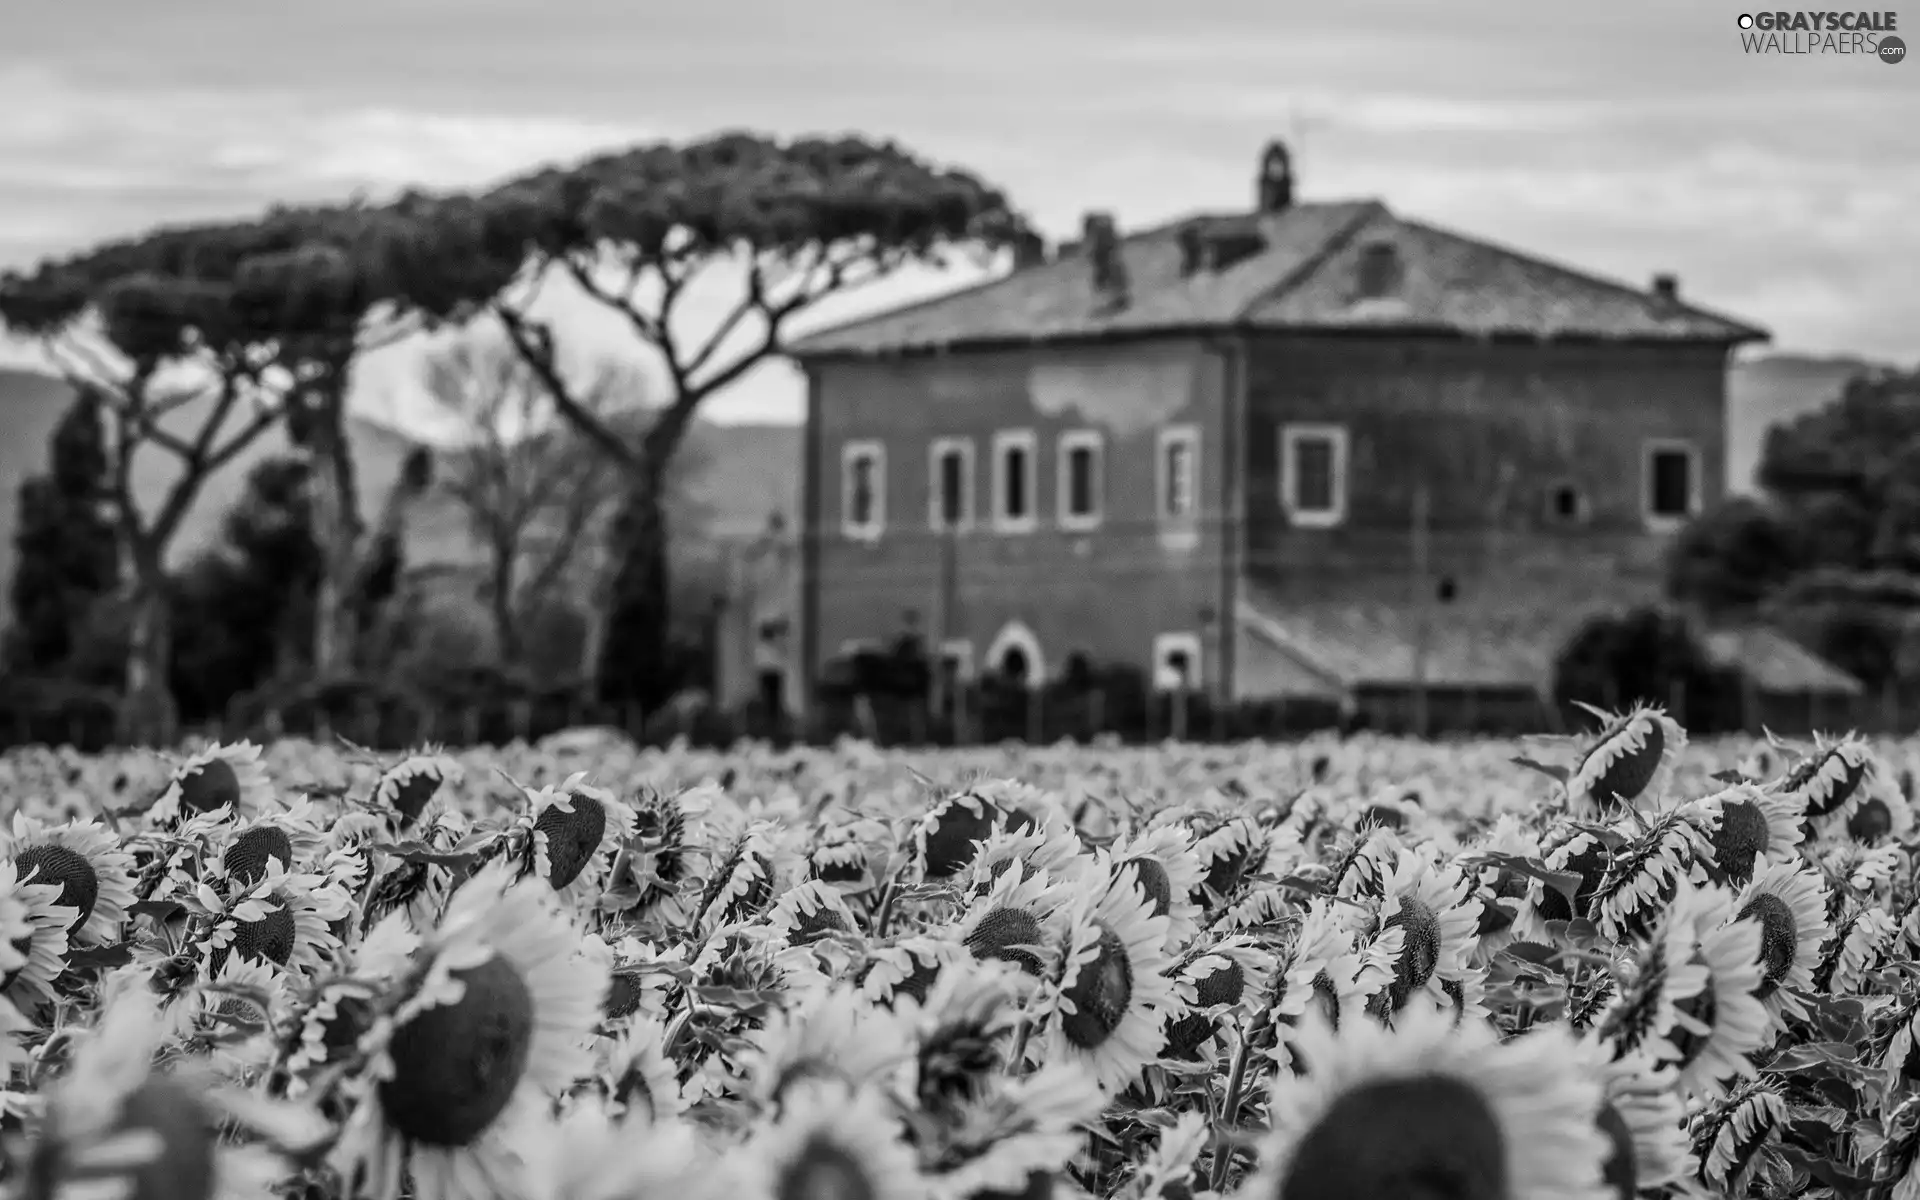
(745,473)
(1764,391)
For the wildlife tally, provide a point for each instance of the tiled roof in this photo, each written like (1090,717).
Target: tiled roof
(1304,279)
(1490,645)
(1776,663)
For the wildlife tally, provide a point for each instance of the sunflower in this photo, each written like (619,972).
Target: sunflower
(281,919)
(1228,855)
(1429,923)
(404,790)
(834,1140)
(1862,941)
(1628,762)
(89,866)
(218,780)
(651,873)
(1737,1136)
(1643,875)
(415,887)
(832,1035)
(810,911)
(1164,865)
(1866,872)
(1009,923)
(1048,847)
(33,938)
(1109,991)
(1381,1112)
(641,977)
(1830,782)
(1323,971)
(1578,853)
(742,879)
(848,852)
(1715,1029)
(231,1017)
(494,1023)
(288,842)
(1884,815)
(1170,1171)
(1213,985)
(948,837)
(573,830)
(1661,969)
(959,1035)
(909,968)
(331,1022)
(1789,904)
(1015,1138)
(113,1118)
(598,1155)
(1746,827)
(1642,1119)
(637,1074)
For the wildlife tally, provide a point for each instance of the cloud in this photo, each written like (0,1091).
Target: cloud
(87,162)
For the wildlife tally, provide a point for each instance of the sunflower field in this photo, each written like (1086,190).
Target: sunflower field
(1614,965)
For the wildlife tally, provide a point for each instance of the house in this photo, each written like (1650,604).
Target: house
(1318,449)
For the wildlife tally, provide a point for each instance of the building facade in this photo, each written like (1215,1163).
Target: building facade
(1317,449)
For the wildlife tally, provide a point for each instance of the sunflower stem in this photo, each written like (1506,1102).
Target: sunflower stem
(885,916)
(1230,1113)
(1017,1059)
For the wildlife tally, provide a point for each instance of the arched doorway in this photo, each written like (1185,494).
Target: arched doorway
(1015,655)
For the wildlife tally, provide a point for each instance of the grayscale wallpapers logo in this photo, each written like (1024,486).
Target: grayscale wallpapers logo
(1866,34)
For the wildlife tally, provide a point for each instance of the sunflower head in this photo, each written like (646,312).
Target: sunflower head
(948,837)
(1626,760)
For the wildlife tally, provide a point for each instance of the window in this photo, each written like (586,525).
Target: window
(1176,662)
(1565,504)
(863,489)
(1179,473)
(1313,474)
(950,468)
(1672,482)
(1082,479)
(956,658)
(1014,451)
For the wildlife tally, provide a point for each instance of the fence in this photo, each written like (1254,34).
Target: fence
(983,713)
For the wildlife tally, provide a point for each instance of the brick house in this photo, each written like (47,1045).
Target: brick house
(1318,449)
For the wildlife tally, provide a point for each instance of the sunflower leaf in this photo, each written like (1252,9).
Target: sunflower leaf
(100,958)
(161,911)
(1557,774)
(1567,883)
(419,852)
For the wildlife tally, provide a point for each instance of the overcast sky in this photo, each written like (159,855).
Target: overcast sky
(1627,138)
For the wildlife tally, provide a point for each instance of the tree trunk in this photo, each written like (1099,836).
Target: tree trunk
(500,600)
(635,664)
(337,528)
(148,715)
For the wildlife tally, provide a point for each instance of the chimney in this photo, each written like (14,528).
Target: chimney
(1103,252)
(1029,250)
(1666,289)
(1274,186)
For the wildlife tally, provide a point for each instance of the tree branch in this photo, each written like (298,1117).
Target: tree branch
(534,341)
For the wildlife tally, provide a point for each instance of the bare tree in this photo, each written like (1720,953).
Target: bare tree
(535,493)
